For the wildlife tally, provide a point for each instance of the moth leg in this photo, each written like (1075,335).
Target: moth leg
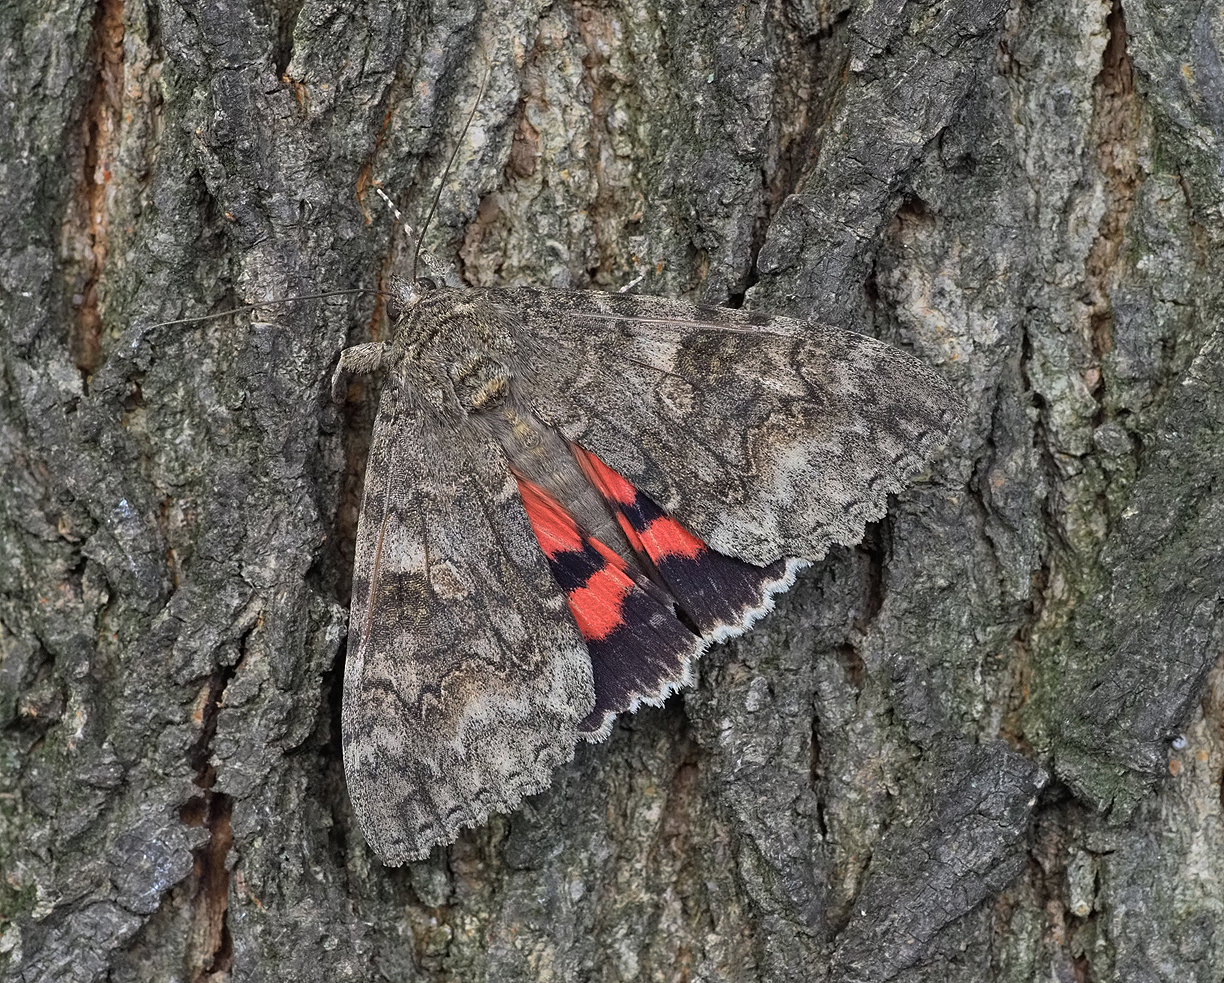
(359,360)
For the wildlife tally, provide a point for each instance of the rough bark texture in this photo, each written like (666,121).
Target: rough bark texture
(985,745)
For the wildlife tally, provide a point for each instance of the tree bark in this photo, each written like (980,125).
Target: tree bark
(984,745)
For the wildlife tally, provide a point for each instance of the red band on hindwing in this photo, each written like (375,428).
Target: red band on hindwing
(721,594)
(639,649)
(553,527)
(594,578)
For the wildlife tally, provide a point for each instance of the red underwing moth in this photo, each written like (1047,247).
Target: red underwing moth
(569,496)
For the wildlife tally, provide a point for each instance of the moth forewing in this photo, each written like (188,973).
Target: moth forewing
(466,679)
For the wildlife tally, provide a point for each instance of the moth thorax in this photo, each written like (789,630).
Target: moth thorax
(480,384)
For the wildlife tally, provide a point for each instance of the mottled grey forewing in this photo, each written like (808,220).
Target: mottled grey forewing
(465,675)
(767,436)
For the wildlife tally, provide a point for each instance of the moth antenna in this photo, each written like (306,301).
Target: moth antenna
(264,303)
(446,173)
(404,223)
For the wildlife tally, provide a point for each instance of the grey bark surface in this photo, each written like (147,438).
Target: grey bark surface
(984,745)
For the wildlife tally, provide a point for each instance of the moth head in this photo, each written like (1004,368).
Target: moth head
(404,294)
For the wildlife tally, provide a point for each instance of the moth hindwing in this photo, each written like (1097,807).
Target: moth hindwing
(570,496)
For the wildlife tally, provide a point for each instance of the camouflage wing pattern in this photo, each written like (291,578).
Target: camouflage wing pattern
(465,677)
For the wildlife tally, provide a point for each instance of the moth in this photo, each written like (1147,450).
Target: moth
(569,497)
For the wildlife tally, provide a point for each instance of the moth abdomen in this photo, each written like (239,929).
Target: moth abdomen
(540,454)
